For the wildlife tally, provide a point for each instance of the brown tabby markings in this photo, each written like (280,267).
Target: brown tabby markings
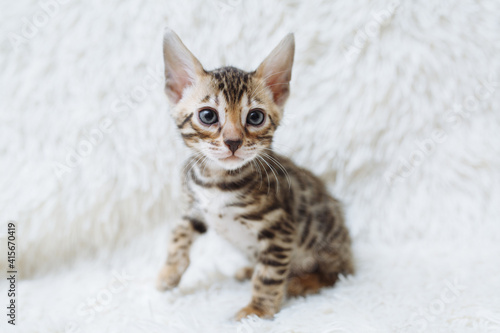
(315,229)
(233,82)
(277,213)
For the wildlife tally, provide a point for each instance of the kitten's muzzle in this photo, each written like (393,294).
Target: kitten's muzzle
(233,145)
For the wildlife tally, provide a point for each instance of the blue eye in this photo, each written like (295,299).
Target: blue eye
(208,117)
(255,117)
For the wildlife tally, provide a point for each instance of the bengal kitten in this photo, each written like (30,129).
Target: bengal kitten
(279,214)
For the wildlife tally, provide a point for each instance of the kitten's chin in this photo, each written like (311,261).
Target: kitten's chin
(231,162)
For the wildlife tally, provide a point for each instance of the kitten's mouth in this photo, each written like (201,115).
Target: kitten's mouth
(232,158)
(233,162)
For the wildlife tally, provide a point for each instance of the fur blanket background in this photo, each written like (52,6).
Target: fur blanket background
(395,104)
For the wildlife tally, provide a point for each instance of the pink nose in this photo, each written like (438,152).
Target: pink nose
(233,145)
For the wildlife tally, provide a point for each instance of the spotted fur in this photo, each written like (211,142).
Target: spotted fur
(277,213)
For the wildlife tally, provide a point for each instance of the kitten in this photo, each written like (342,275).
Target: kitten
(279,214)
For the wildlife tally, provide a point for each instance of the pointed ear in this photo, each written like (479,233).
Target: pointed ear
(181,66)
(276,69)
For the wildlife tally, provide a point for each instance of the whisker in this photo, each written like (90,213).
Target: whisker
(260,173)
(192,166)
(267,174)
(191,160)
(282,169)
(199,156)
(274,173)
(206,161)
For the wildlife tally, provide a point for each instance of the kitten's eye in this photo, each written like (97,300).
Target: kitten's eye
(208,116)
(255,117)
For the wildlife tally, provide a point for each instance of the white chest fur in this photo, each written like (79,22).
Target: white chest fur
(213,205)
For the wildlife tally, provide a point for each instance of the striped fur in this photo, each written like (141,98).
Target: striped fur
(277,213)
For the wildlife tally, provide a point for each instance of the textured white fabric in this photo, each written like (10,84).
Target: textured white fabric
(395,104)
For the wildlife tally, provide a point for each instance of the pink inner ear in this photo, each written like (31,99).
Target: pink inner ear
(177,81)
(181,67)
(175,85)
(278,83)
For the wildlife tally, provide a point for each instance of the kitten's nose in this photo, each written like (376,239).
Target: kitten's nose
(233,145)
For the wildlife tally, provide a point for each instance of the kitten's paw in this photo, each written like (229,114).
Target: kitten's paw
(253,310)
(168,278)
(244,273)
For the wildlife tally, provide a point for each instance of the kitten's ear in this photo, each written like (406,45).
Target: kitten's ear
(276,69)
(181,66)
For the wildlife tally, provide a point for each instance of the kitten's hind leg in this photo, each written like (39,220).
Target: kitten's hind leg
(310,283)
(331,260)
(301,285)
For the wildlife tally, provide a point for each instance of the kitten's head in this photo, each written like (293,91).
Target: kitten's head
(228,115)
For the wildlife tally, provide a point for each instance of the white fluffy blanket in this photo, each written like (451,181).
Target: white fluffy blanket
(395,104)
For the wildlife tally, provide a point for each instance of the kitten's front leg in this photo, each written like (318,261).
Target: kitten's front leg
(183,236)
(271,272)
